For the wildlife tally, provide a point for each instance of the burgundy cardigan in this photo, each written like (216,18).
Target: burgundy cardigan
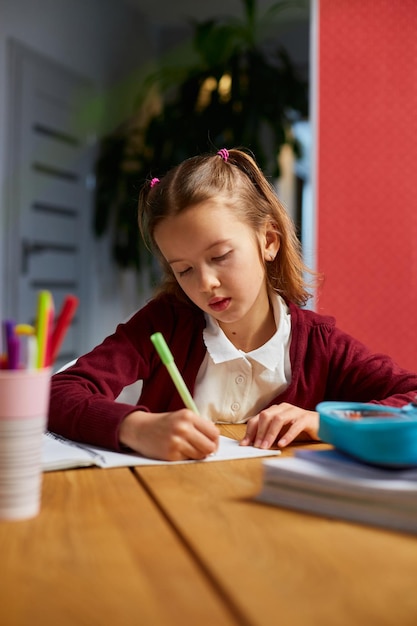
(326,364)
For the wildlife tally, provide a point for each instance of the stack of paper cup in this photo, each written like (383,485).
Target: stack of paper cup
(24,399)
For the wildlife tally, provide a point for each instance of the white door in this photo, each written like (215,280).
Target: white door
(50,159)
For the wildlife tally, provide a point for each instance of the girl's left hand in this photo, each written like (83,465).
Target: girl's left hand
(263,430)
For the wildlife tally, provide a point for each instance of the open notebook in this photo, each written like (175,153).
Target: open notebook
(60,453)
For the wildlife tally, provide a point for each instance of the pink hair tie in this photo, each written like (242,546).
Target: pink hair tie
(154,182)
(224,154)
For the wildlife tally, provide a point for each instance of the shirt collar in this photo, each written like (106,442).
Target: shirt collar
(221,349)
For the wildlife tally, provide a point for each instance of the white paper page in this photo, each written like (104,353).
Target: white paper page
(333,459)
(59,453)
(317,477)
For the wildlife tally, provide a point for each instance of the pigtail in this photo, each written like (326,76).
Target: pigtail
(145,210)
(286,273)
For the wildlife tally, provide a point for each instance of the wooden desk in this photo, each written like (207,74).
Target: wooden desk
(278,566)
(100,553)
(186,544)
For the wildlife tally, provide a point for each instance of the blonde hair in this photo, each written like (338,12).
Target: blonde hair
(249,194)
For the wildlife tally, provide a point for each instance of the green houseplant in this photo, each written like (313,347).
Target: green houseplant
(232,90)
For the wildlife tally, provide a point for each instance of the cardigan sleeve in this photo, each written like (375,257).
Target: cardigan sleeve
(329,364)
(82,403)
(358,374)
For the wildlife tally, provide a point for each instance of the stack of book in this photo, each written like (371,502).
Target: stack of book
(330,483)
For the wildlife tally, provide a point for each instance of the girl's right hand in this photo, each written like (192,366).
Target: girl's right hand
(172,436)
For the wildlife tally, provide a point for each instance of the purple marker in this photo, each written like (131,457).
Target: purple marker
(12,345)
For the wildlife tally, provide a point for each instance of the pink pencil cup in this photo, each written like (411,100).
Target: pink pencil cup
(24,400)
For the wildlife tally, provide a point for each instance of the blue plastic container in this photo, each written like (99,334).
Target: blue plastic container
(373,433)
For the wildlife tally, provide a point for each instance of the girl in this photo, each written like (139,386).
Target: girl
(230,310)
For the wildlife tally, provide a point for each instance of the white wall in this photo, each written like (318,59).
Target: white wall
(107,42)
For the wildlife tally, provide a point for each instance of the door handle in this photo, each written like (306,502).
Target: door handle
(29,248)
(36,247)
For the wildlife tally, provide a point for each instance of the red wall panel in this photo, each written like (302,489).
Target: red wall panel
(367,171)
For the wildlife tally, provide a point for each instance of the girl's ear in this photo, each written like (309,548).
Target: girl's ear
(271,241)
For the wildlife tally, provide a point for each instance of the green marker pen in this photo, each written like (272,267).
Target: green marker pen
(168,360)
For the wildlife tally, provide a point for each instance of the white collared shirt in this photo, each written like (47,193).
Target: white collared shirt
(233,385)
